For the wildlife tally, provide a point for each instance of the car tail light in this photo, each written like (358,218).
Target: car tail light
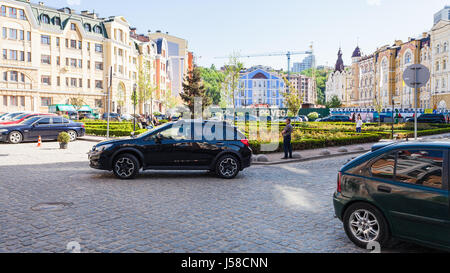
(245,142)
(339,181)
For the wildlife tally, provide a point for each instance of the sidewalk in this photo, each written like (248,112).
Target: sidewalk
(309,155)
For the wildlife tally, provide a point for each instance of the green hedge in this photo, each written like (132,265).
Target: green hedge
(306,144)
(114,133)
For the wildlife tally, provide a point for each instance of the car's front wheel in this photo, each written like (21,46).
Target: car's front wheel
(364,224)
(15,137)
(126,166)
(227,167)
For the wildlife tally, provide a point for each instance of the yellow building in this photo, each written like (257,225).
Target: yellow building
(52,55)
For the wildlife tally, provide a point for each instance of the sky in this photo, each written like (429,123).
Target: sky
(219,28)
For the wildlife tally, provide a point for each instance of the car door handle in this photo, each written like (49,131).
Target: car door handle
(384,189)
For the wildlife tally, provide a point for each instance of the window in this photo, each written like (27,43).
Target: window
(22,15)
(3,11)
(5,54)
(21,56)
(438,49)
(45,39)
(13,55)
(5,33)
(5,100)
(13,101)
(73,44)
(80,45)
(45,19)
(73,82)
(5,76)
(98,30)
(87,27)
(58,41)
(14,76)
(80,82)
(58,81)
(22,101)
(384,167)
(80,63)
(57,21)
(88,46)
(99,65)
(46,102)
(73,26)
(73,62)
(29,56)
(99,84)
(176,133)
(12,12)
(21,35)
(29,35)
(99,48)
(45,80)
(89,83)
(45,59)
(13,34)
(420,167)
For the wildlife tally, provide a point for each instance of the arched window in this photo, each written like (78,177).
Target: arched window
(57,21)
(87,27)
(407,58)
(98,30)
(45,19)
(438,49)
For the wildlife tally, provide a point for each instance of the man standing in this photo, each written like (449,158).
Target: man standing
(287,138)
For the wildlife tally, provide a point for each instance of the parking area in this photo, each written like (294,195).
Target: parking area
(50,197)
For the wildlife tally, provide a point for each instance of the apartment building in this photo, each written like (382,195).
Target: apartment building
(52,55)
(306,88)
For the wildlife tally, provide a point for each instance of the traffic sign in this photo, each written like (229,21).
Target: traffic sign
(416,76)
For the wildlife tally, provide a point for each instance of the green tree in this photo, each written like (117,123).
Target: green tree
(77,103)
(335,102)
(146,87)
(213,81)
(168,100)
(292,98)
(231,84)
(194,88)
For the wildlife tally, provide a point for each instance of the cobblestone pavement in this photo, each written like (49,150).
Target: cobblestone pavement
(286,208)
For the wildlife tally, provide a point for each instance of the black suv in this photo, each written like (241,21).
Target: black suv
(182,145)
(431,118)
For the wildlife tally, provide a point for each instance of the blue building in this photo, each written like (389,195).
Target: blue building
(260,87)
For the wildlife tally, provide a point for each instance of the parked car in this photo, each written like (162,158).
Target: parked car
(429,118)
(127,117)
(174,146)
(20,118)
(335,119)
(46,127)
(398,190)
(112,116)
(10,116)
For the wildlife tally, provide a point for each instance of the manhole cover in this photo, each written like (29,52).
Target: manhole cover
(51,206)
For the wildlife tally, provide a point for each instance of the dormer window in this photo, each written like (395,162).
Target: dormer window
(87,27)
(57,21)
(98,30)
(45,19)
(73,26)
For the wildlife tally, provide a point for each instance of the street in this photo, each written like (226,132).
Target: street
(50,197)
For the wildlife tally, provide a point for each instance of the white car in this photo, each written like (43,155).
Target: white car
(11,116)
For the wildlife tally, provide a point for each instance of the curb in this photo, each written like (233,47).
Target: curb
(307,159)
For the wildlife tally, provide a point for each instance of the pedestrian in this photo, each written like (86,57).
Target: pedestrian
(287,139)
(353,117)
(359,124)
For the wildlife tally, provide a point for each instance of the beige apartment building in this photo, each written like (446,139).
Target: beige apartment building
(52,55)
(306,88)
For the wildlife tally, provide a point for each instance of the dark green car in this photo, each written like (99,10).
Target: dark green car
(397,191)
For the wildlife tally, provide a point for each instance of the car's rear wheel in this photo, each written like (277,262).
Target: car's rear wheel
(364,224)
(227,167)
(15,137)
(126,166)
(73,135)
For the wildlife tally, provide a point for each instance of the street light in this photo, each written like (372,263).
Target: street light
(134,107)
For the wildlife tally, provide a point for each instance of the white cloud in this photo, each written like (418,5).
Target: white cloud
(73,2)
(373,2)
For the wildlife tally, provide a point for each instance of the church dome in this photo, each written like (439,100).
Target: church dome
(356,53)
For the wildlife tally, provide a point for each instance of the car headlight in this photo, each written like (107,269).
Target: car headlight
(102,147)
(3,130)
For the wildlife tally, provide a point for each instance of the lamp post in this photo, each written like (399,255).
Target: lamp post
(134,107)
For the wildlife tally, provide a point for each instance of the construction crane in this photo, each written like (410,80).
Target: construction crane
(288,54)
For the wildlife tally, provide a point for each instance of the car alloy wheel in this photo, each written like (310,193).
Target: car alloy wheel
(15,137)
(364,226)
(125,167)
(228,167)
(73,135)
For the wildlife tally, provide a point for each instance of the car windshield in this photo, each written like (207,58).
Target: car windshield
(20,116)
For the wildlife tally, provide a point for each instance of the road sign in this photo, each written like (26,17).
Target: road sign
(416,76)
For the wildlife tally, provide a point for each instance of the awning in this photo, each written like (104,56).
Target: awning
(86,108)
(65,108)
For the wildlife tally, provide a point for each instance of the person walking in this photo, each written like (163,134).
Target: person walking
(359,124)
(287,139)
